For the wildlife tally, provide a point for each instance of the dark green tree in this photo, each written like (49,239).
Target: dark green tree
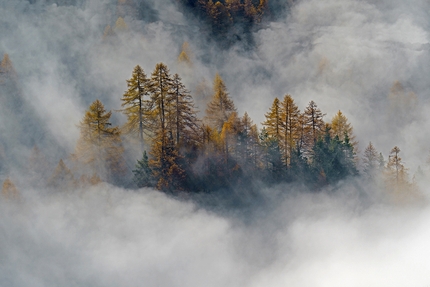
(143,174)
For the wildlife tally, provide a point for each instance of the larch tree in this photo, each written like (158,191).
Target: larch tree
(220,107)
(395,168)
(120,25)
(9,190)
(6,66)
(341,127)
(62,177)
(135,105)
(185,55)
(370,160)
(165,157)
(290,126)
(314,124)
(100,146)
(273,121)
(183,115)
(397,181)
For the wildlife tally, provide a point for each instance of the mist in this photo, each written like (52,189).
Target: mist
(106,236)
(345,55)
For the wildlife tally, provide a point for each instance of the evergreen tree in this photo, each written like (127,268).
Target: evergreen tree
(143,174)
(136,107)
(272,157)
(333,159)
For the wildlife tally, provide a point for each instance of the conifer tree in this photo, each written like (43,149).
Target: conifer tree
(370,160)
(290,126)
(183,118)
(120,25)
(6,67)
(9,190)
(62,177)
(313,125)
(136,106)
(185,55)
(165,161)
(100,146)
(341,127)
(273,121)
(220,107)
(143,174)
(395,167)
(272,156)
(397,179)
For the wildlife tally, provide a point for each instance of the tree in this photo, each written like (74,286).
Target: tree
(120,25)
(397,181)
(9,190)
(100,146)
(273,121)
(165,157)
(370,160)
(272,157)
(290,126)
(341,128)
(136,106)
(313,125)
(183,118)
(395,167)
(6,67)
(143,174)
(62,177)
(220,107)
(185,55)
(333,159)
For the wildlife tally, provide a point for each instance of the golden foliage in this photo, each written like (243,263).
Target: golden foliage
(62,177)
(120,25)
(135,105)
(220,107)
(99,146)
(9,190)
(185,55)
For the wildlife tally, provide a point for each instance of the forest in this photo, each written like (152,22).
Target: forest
(172,143)
(221,151)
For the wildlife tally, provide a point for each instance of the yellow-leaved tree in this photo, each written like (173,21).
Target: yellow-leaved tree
(185,55)
(341,128)
(220,107)
(99,149)
(62,177)
(136,106)
(290,127)
(165,157)
(9,190)
(314,126)
(397,179)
